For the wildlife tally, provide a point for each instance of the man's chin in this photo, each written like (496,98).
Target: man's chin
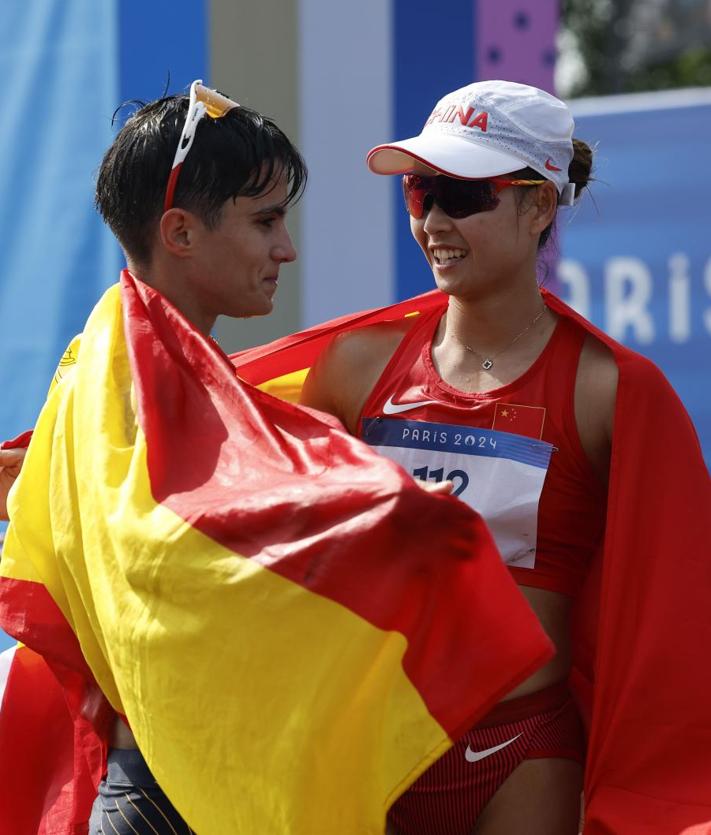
(263,310)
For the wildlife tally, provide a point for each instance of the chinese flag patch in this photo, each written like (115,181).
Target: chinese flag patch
(519,420)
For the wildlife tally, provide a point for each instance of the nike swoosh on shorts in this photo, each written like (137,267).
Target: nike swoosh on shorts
(390,408)
(475,756)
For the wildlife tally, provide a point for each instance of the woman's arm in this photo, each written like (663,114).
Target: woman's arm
(595,397)
(344,375)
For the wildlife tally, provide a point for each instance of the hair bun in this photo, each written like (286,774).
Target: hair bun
(580,167)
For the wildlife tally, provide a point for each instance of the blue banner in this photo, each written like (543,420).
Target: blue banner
(69,64)
(637,251)
(59,59)
(460,439)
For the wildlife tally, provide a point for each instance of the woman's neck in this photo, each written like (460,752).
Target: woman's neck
(488,323)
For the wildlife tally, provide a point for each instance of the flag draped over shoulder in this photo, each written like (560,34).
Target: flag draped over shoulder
(280,367)
(293,629)
(643,629)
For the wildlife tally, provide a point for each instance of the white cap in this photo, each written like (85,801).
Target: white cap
(487,129)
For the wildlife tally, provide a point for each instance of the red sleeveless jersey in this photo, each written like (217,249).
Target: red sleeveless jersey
(533,416)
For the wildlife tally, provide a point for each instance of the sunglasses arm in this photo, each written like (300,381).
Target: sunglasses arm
(203,102)
(567,196)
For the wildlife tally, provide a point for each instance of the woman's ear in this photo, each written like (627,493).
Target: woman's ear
(177,232)
(543,207)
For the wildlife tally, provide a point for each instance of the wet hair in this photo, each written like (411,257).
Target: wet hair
(236,155)
(579,173)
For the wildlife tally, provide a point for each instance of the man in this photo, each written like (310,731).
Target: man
(209,241)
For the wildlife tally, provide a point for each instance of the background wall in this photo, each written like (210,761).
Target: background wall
(254,59)
(60,65)
(637,251)
(68,65)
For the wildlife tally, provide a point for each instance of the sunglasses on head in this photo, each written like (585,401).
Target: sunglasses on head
(203,102)
(457,198)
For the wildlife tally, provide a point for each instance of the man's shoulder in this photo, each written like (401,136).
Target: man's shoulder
(67,362)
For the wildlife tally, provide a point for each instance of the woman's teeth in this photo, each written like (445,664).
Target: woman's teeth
(447,256)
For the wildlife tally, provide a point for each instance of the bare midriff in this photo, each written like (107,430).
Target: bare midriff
(121,735)
(553,611)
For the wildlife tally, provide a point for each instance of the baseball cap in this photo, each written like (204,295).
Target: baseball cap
(487,129)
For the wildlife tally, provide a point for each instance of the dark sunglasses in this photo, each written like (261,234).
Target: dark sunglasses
(457,198)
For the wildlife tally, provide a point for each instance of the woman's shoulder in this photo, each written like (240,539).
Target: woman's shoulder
(370,342)
(348,369)
(605,356)
(598,372)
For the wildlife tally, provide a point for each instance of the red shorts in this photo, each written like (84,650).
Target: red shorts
(448,798)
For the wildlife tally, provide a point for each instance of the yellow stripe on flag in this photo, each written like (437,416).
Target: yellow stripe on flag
(287,387)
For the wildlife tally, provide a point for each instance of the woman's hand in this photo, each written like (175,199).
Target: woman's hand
(436,486)
(10,466)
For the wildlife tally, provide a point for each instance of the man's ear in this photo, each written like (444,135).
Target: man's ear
(544,205)
(178,232)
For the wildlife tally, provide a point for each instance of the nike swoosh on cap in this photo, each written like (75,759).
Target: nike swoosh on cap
(390,408)
(550,166)
(475,756)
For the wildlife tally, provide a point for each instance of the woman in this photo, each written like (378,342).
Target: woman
(444,393)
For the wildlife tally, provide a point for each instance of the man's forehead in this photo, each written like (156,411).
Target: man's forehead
(273,195)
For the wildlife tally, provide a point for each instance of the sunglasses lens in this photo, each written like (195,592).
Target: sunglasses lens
(461,198)
(415,189)
(456,198)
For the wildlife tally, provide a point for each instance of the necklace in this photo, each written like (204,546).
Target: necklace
(487,362)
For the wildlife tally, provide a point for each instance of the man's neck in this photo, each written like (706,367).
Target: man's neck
(175,287)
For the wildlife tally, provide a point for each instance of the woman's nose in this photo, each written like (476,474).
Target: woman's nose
(436,219)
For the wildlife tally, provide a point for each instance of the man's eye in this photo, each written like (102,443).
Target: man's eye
(268,222)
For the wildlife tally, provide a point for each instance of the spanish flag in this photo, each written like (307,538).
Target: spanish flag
(293,629)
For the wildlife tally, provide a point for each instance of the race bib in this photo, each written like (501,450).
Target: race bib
(498,474)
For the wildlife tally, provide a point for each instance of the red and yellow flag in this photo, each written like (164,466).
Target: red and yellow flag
(292,627)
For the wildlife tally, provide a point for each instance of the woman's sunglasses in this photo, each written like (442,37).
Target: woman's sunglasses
(457,198)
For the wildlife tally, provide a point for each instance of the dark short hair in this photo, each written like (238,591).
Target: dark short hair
(235,155)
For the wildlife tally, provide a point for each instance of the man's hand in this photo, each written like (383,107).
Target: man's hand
(10,466)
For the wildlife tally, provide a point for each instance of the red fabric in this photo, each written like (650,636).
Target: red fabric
(642,632)
(539,404)
(53,723)
(52,757)
(50,764)
(643,627)
(299,350)
(20,442)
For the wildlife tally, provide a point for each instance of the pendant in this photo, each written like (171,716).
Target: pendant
(487,364)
